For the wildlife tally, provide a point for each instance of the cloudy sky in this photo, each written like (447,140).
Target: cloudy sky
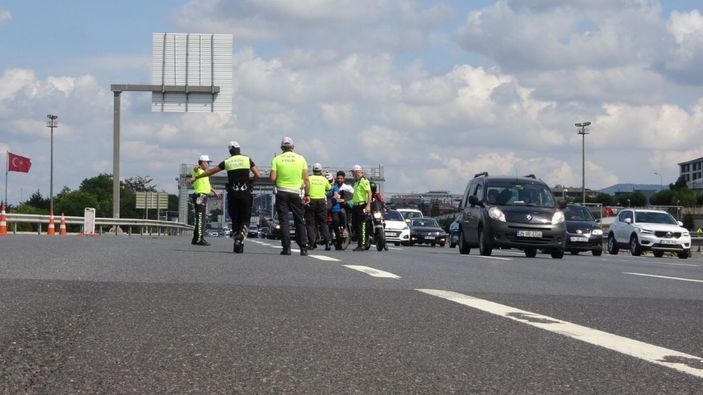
(435,91)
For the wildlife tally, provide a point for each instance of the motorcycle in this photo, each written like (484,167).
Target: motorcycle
(376,222)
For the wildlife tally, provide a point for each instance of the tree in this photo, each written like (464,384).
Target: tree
(140,184)
(638,199)
(38,202)
(664,197)
(75,202)
(100,187)
(603,198)
(680,184)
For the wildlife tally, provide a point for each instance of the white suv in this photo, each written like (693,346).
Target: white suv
(643,230)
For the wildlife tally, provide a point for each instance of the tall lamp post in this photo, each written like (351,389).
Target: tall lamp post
(661,180)
(51,124)
(583,132)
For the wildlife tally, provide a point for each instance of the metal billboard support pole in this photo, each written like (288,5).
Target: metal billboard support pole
(117,89)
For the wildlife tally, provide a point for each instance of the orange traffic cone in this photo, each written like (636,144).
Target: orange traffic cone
(52,228)
(62,226)
(3,222)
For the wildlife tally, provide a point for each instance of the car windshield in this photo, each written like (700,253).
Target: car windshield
(428,222)
(577,213)
(411,214)
(392,215)
(654,217)
(514,194)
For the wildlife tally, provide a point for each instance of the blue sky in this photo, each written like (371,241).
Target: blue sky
(435,91)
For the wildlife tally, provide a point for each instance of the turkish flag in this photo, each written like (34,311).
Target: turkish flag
(18,163)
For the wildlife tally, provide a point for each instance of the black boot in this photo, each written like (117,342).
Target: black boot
(238,246)
(327,246)
(303,251)
(285,251)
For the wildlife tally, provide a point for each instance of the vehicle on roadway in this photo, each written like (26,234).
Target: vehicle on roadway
(397,230)
(410,213)
(253,230)
(583,232)
(648,230)
(510,212)
(427,231)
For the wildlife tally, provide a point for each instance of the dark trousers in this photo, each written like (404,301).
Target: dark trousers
(200,206)
(287,202)
(239,207)
(359,222)
(316,218)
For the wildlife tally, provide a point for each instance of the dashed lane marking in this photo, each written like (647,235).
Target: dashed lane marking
(676,360)
(324,258)
(373,272)
(665,277)
(498,258)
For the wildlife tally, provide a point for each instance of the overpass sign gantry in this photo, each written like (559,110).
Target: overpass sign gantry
(190,73)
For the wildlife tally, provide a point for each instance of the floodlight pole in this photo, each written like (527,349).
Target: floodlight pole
(583,133)
(117,89)
(51,124)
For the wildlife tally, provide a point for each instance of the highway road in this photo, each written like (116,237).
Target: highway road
(118,314)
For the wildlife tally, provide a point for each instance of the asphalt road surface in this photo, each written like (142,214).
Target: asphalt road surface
(119,314)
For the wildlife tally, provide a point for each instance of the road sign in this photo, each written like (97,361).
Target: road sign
(152,200)
(191,60)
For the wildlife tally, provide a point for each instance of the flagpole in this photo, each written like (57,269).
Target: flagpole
(7,166)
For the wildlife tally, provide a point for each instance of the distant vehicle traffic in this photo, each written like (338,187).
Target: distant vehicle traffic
(409,213)
(583,233)
(253,230)
(427,231)
(648,230)
(510,212)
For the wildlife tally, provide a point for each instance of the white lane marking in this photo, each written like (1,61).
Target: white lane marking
(675,264)
(494,257)
(666,277)
(395,248)
(325,258)
(372,272)
(682,362)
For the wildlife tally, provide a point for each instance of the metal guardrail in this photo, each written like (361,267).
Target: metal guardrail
(116,225)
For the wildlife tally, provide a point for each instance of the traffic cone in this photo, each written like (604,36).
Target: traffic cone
(62,226)
(3,222)
(52,228)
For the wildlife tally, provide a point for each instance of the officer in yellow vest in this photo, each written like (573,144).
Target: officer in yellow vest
(316,209)
(202,189)
(289,172)
(239,191)
(361,202)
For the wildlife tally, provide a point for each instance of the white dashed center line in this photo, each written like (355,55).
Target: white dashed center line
(682,362)
(373,272)
(666,277)
(324,258)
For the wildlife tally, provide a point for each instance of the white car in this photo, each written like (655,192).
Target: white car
(396,230)
(409,213)
(645,230)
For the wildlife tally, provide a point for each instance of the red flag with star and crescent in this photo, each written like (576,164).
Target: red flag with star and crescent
(18,163)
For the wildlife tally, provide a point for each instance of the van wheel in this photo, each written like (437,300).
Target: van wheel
(683,254)
(612,245)
(482,247)
(464,248)
(530,252)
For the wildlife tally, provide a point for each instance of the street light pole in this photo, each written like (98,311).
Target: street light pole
(583,133)
(51,124)
(661,180)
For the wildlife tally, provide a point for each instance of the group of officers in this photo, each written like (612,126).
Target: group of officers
(289,173)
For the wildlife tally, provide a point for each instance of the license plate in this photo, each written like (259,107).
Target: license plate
(579,239)
(391,234)
(429,237)
(667,241)
(529,233)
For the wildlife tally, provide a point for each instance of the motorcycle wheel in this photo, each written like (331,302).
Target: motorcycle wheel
(380,239)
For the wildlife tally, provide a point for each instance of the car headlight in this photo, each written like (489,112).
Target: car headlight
(597,232)
(685,234)
(496,213)
(558,218)
(278,226)
(646,231)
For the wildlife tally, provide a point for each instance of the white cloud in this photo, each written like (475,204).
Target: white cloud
(5,16)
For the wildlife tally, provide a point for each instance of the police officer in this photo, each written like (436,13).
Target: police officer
(361,201)
(202,189)
(289,172)
(316,209)
(239,187)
